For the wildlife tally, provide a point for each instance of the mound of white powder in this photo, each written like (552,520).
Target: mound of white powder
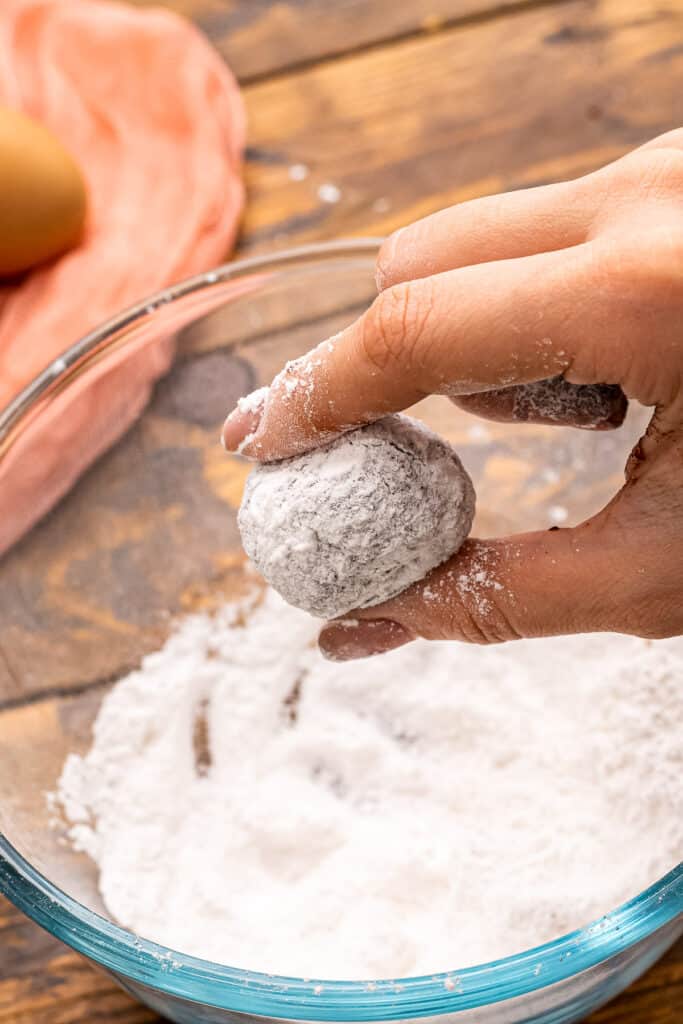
(250,803)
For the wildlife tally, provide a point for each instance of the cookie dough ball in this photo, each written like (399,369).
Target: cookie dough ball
(354,523)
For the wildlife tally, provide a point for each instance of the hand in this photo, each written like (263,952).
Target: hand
(582,279)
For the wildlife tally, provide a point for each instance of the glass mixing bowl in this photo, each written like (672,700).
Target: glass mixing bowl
(149,532)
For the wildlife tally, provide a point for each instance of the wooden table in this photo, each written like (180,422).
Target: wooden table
(405,106)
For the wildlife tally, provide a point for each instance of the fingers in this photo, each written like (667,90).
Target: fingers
(465,331)
(505,226)
(555,402)
(532,585)
(617,572)
(499,227)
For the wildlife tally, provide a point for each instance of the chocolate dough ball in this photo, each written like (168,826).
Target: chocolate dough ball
(355,522)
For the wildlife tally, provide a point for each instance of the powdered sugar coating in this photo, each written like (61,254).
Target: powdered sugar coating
(440,806)
(254,401)
(355,522)
(557,400)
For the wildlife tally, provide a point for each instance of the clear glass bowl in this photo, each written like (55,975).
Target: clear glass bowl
(149,532)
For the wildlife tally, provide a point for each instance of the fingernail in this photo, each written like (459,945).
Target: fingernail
(347,639)
(243,421)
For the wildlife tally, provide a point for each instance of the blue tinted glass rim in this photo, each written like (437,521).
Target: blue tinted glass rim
(316,999)
(293,998)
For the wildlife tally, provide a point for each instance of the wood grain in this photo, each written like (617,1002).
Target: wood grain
(405,107)
(41,982)
(404,130)
(260,38)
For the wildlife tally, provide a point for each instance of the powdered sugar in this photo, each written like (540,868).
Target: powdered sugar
(296,379)
(557,400)
(439,806)
(254,401)
(354,523)
(329,193)
(474,583)
(298,172)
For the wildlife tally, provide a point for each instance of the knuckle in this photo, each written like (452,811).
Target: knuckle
(640,238)
(381,336)
(481,620)
(394,326)
(471,600)
(496,624)
(647,265)
(386,261)
(666,170)
(663,264)
(656,172)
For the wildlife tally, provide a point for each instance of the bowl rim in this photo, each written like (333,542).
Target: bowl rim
(56,369)
(264,995)
(319,999)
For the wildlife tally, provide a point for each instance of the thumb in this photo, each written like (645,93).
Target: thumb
(531,585)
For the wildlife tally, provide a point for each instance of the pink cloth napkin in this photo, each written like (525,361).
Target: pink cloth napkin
(155,120)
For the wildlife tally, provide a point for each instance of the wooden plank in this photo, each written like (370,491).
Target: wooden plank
(40,980)
(261,37)
(91,590)
(401,131)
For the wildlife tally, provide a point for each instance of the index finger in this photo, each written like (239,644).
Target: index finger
(460,332)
